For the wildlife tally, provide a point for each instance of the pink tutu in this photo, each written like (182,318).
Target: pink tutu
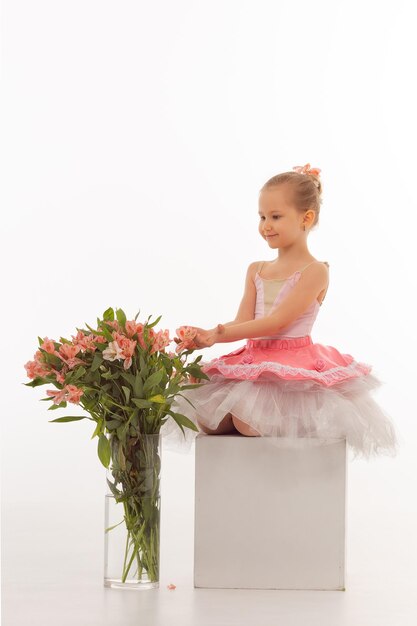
(296,358)
(289,388)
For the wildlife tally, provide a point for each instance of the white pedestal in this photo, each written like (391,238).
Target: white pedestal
(269,516)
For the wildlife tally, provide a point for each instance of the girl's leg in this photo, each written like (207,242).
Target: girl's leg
(226,426)
(244,428)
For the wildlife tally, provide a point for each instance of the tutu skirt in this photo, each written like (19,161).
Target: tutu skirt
(289,388)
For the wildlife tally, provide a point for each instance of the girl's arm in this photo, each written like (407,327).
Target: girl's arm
(234,331)
(300,298)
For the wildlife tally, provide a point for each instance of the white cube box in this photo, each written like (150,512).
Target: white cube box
(270,516)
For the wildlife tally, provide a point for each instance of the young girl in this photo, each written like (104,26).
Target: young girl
(281,383)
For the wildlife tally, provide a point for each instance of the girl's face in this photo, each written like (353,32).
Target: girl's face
(280,224)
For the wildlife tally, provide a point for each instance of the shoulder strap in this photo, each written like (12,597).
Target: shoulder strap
(302,270)
(260,266)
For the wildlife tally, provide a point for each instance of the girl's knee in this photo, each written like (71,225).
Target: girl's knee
(225,426)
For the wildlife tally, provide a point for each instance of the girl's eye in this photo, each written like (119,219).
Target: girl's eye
(275,217)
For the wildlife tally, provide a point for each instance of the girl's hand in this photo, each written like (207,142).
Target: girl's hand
(207,338)
(194,337)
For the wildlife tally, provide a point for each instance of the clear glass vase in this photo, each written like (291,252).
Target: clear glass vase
(132,513)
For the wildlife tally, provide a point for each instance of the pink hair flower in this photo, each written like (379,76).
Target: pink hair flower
(305,169)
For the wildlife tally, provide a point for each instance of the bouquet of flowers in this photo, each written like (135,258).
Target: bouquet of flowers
(123,378)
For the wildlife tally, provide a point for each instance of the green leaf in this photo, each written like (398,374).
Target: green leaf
(97,361)
(97,429)
(153,323)
(153,380)
(185,398)
(96,332)
(121,431)
(113,489)
(121,317)
(128,377)
(134,418)
(112,424)
(106,332)
(52,359)
(138,387)
(36,382)
(103,450)
(70,418)
(108,315)
(106,530)
(54,407)
(160,399)
(183,420)
(195,371)
(80,371)
(109,376)
(127,393)
(141,404)
(172,388)
(136,316)
(121,458)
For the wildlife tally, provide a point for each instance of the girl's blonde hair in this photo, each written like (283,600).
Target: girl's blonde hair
(305,191)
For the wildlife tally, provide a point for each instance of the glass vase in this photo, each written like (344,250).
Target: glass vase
(132,513)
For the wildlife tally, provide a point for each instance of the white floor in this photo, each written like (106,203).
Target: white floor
(52,561)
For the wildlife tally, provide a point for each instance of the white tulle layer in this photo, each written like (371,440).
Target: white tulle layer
(290,409)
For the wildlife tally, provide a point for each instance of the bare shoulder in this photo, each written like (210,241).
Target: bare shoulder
(253,268)
(317,272)
(317,267)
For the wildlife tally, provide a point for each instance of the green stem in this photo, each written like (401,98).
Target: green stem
(134,551)
(127,541)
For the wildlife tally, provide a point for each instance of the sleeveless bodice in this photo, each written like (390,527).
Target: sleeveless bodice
(270,292)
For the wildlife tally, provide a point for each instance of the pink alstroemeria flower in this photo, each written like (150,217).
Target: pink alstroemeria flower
(186,335)
(133,328)
(87,342)
(74,393)
(48,345)
(114,324)
(67,353)
(34,369)
(112,352)
(120,348)
(161,341)
(60,376)
(70,393)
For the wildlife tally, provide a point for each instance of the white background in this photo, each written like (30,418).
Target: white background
(135,139)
